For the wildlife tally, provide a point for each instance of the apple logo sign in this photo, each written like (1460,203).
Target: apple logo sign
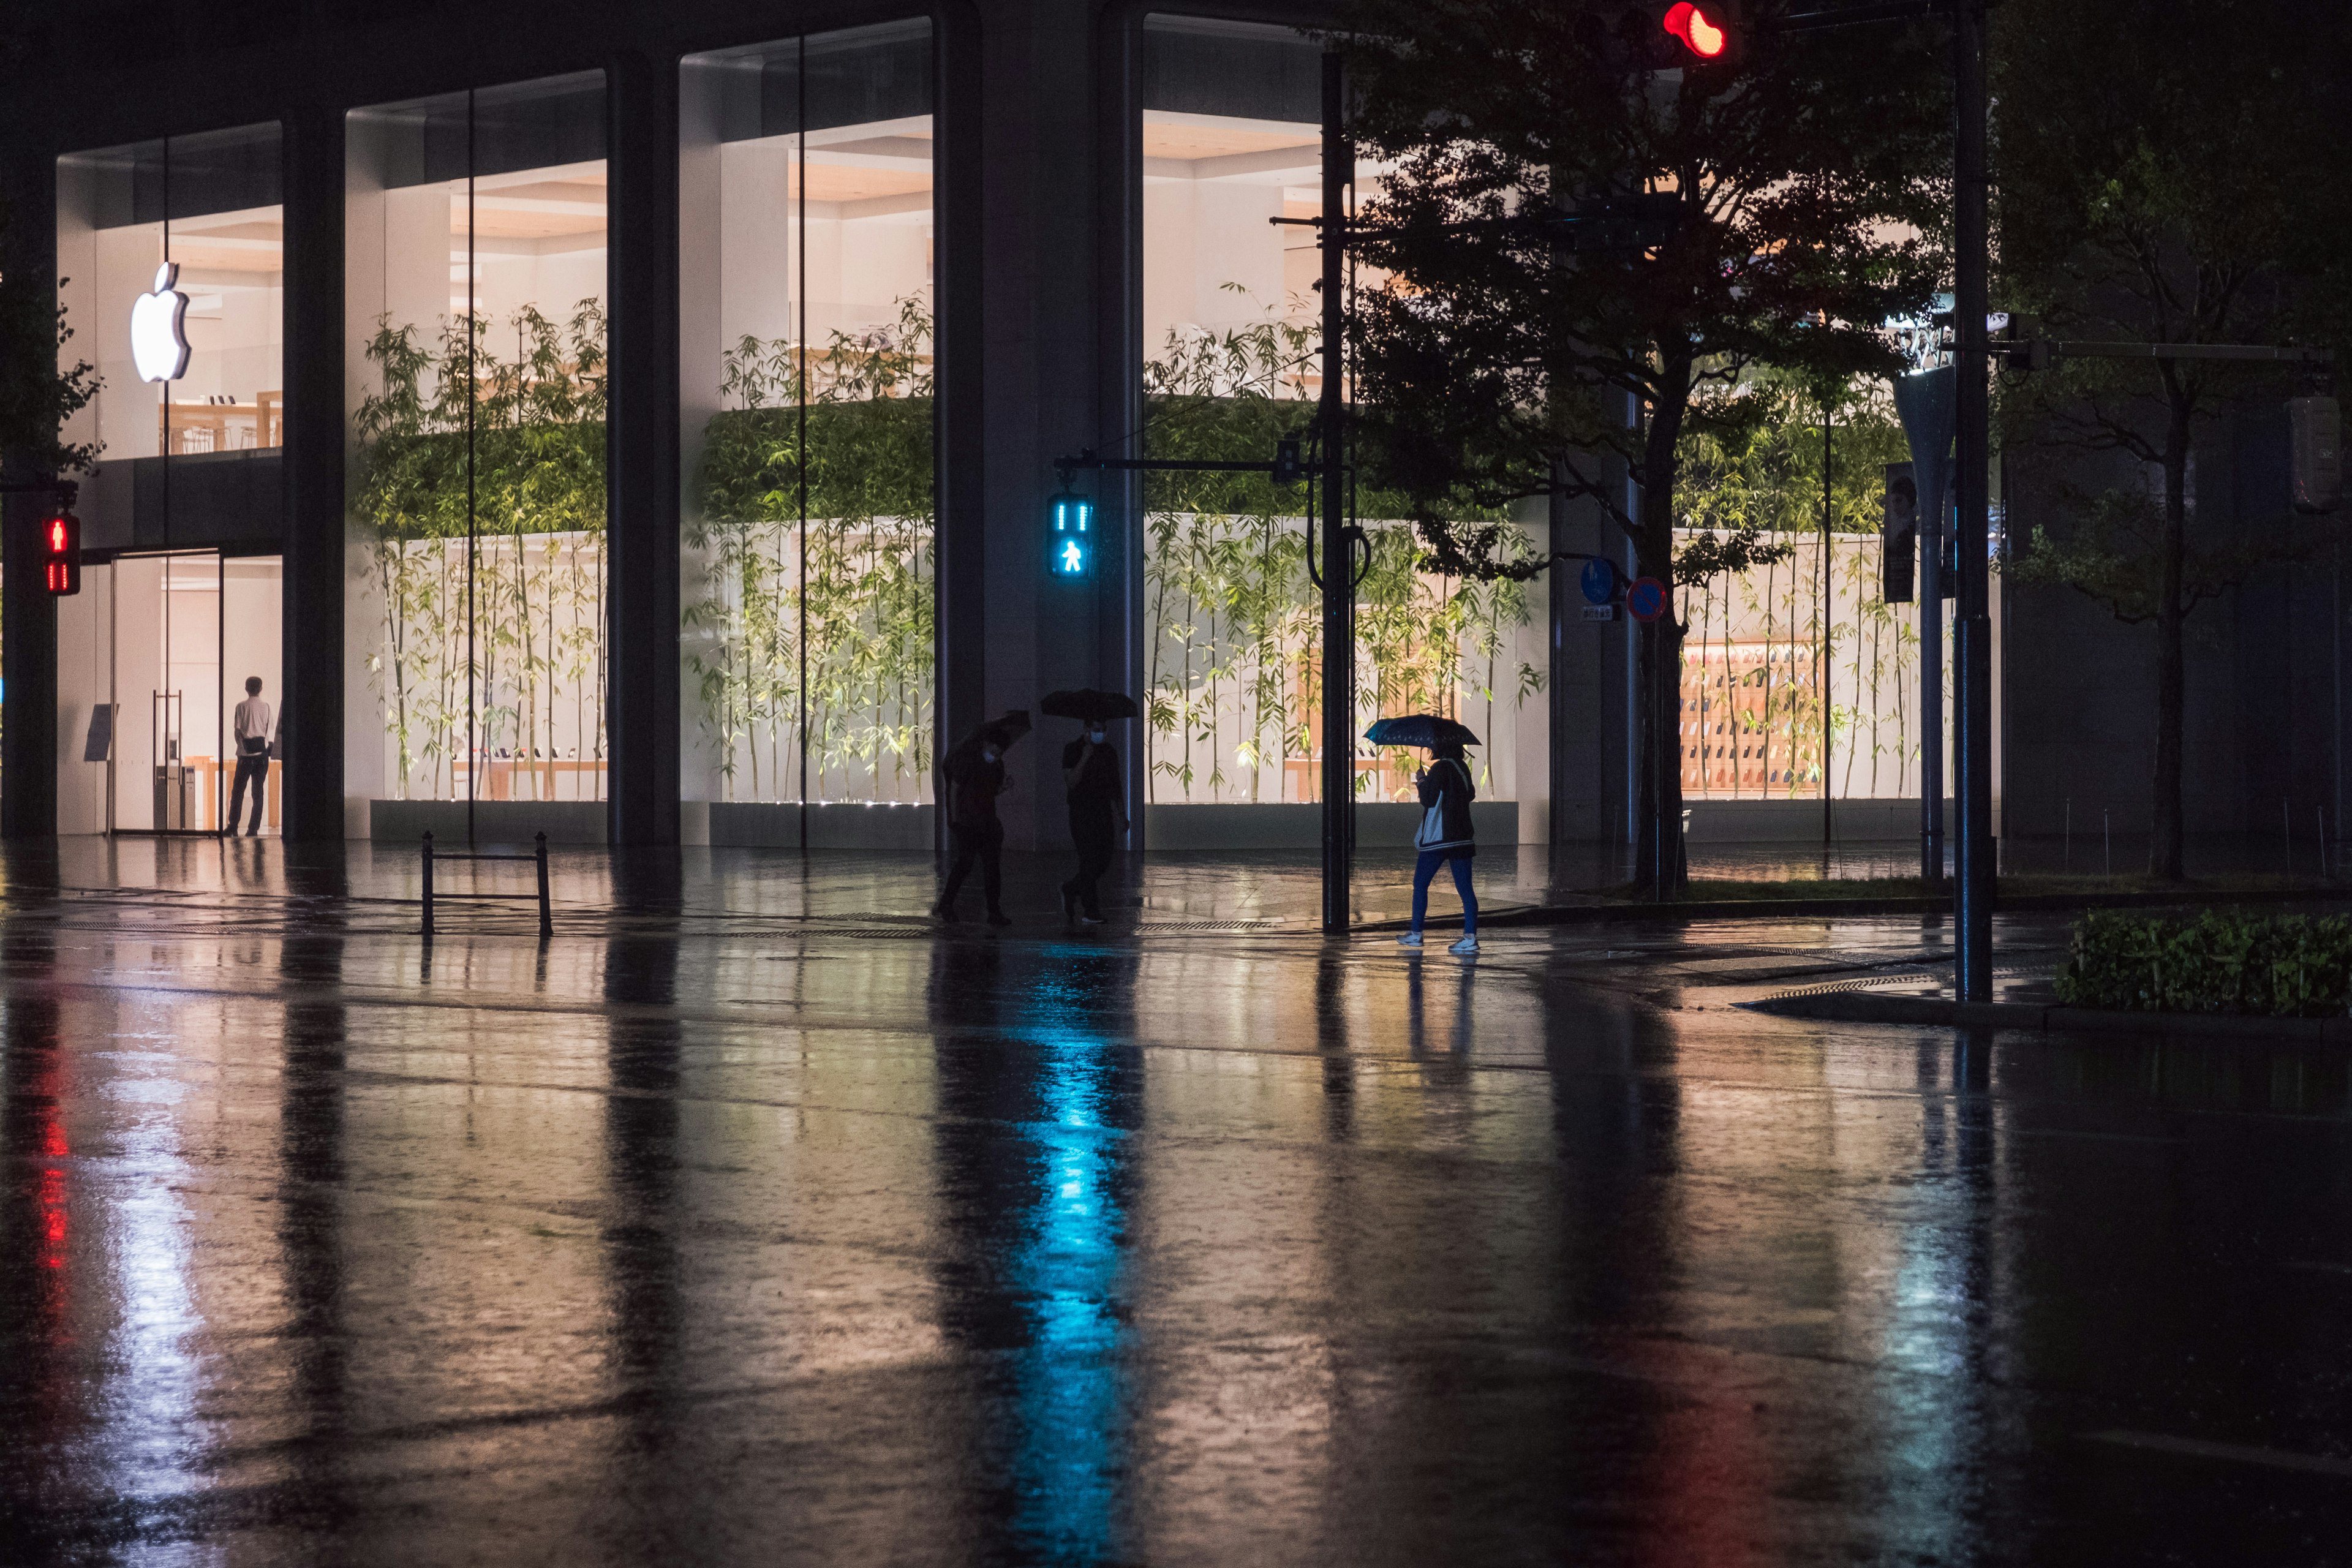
(159,331)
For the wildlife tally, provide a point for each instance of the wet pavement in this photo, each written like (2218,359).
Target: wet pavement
(750,1219)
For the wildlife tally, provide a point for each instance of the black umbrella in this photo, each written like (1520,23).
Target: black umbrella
(1421,729)
(1004,730)
(1086,704)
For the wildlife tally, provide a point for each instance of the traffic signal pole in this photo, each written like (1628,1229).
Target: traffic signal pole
(1339,559)
(1972,622)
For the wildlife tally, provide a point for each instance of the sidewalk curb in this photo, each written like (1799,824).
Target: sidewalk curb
(1862,1007)
(1786,908)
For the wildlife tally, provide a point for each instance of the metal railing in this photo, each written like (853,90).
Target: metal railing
(538,857)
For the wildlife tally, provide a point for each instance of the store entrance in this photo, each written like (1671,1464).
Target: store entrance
(189,628)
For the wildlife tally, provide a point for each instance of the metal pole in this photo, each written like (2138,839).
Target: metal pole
(1973,623)
(1338,560)
(1931,688)
(428,887)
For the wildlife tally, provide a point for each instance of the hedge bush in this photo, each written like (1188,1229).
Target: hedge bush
(2223,961)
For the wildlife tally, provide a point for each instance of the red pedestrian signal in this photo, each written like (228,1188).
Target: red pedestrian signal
(1705,33)
(61,554)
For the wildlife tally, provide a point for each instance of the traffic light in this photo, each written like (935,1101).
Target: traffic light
(1707,32)
(61,554)
(1070,535)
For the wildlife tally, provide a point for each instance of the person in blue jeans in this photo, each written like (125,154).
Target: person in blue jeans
(1444,838)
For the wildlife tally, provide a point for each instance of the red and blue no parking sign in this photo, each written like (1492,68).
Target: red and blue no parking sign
(1646,600)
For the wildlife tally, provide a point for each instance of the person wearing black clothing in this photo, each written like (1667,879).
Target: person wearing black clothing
(1097,816)
(975,773)
(1446,838)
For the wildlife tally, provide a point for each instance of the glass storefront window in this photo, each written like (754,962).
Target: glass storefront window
(476,288)
(806,311)
(1232,138)
(207,206)
(179,605)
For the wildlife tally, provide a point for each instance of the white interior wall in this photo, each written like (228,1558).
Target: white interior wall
(555,281)
(756,255)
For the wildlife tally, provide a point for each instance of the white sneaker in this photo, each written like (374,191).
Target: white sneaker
(1467,946)
(1409,938)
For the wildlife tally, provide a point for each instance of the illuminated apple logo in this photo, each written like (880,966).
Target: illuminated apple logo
(159,329)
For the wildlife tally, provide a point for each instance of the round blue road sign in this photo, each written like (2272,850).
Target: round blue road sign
(1646,599)
(1599,581)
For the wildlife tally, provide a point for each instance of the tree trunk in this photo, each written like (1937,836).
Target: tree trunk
(2164,840)
(1661,869)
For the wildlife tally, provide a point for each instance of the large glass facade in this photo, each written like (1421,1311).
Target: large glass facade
(1231,139)
(172,271)
(806,347)
(476,233)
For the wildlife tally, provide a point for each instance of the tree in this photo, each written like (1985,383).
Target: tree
(37,396)
(2163,176)
(1507,330)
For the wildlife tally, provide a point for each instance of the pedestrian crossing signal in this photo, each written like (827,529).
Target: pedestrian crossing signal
(1070,539)
(61,554)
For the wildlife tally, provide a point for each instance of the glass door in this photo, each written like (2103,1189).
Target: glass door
(171,718)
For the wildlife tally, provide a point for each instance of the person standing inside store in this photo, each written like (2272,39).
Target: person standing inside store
(252,734)
(1097,816)
(974,771)
(1444,838)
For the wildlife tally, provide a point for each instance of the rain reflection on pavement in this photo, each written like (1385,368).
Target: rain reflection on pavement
(748,1220)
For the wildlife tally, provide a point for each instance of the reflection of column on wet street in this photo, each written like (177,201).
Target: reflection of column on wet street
(1040,1091)
(639,1234)
(313,1175)
(1331,1044)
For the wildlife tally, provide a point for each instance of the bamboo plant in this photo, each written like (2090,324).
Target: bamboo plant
(481,502)
(812,616)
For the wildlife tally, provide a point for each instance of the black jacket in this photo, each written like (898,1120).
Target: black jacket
(1445,784)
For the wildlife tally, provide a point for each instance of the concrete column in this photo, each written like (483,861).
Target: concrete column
(28,650)
(1041,289)
(310,699)
(641,452)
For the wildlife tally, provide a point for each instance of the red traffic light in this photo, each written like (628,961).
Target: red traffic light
(1703,35)
(61,563)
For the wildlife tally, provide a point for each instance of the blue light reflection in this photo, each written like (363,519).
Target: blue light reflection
(1069,1384)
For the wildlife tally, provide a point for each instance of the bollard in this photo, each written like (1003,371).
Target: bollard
(428,886)
(546,910)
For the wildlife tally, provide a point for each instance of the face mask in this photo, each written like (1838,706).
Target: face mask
(1095,736)
(988,753)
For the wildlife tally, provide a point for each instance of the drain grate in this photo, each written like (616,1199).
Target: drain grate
(1157,927)
(2000,972)
(1827,987)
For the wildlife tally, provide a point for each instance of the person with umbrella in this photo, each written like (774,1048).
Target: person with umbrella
(1097,795)
(1444,837)
(973,773)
